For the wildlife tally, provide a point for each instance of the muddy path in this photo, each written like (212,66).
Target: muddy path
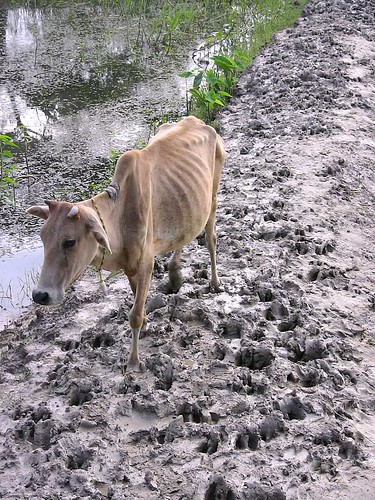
(266,390)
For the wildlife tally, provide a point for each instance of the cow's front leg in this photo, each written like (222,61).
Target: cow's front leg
(137,315)
(133,284)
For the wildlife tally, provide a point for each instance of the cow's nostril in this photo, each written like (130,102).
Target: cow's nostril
(40,297)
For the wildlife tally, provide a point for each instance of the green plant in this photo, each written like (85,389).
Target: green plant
(212,87)
(8,170)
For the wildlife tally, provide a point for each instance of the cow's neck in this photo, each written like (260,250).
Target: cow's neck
(103,207)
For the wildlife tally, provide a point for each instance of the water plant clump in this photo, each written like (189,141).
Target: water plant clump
(212,87)
(8,170)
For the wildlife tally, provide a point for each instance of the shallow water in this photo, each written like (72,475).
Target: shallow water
(75,75)
(18,273)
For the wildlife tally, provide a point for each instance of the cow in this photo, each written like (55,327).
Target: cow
(161,198)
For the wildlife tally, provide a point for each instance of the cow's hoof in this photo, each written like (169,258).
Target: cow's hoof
(168,289)
(135,367)
(216,287)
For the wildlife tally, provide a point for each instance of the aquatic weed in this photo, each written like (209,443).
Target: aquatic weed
(8,170)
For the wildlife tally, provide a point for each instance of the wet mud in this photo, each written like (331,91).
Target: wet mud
(264,391)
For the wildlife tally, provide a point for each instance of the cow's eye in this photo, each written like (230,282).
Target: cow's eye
(69,243)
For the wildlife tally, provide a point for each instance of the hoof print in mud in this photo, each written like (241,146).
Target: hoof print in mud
(324,248)
(290,324)
(254,491)
(277,311)
(70,345)
(265,294)
(293,408)
(80,458)
(307,349)
(308,376)
(80,393)
(41,434)
(219,489)
(248,439)
(254,358)
(130,383)
(242,382)
(271,426)
(231,329)
(103,340)
(210,444)
(162,368)
(191,412)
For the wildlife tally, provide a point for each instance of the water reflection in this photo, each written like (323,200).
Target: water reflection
(17,111)
(18,274)
(56,62)
(21,26)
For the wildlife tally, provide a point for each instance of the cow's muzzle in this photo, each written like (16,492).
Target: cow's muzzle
(41,297)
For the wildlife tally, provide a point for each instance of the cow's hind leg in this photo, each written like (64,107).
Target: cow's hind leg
(211,240)
(174,273)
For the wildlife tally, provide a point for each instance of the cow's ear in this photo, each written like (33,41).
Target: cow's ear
(41,211)
(103,241)
(100,236)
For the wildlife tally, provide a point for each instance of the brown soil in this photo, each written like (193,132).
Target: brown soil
(266,390)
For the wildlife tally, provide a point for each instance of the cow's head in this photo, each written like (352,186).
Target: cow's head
(71,236)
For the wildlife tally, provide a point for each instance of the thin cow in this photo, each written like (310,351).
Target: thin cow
(160,199)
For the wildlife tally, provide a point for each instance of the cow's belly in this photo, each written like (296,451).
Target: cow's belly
(181,207)
(174,238)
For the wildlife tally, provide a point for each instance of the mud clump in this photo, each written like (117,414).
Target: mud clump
(264,390)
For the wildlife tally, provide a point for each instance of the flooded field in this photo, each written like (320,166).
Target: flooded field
(76,79)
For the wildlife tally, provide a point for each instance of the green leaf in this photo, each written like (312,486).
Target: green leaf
(220,103)
(241,55)
(5,139)
(198,80)
(211,78)
(224,62)
(9,180)
(197,94)
(187,74)
(224,94)
(11,168)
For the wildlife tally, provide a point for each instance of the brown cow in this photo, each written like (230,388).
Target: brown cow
(160,199)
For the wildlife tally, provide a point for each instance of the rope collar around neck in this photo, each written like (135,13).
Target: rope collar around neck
(102,284)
